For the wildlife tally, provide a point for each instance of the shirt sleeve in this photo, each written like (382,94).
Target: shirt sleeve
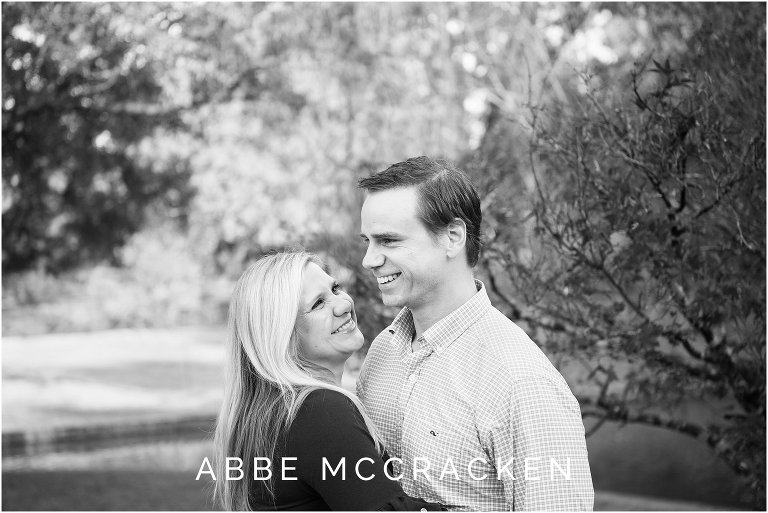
(328,432)
(539,448)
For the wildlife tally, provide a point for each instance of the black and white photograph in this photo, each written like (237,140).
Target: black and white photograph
(399,256)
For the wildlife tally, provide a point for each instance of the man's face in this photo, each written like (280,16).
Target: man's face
(408,261)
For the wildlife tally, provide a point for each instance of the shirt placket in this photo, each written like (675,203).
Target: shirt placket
(413,365)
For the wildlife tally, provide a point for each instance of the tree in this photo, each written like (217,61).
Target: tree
(638,257)
(105,108)
(75,87)
(365,95)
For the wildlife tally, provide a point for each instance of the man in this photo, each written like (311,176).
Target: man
(473,412)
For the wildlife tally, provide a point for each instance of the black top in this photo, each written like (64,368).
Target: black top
(328,425)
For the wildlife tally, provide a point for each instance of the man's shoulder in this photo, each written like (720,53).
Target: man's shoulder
(496,332)
(504,362)
(505,348)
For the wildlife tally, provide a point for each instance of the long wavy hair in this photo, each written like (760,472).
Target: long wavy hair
(266,378)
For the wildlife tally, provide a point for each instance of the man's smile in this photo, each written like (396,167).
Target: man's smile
(388,278)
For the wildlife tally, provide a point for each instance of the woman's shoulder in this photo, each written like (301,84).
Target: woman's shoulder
(324,400)
(325,413)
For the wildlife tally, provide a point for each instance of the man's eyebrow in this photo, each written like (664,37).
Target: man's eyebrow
(385,235)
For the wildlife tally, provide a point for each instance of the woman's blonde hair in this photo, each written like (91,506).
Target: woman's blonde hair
(266,378)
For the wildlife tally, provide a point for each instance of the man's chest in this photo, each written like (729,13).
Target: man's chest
(428,410)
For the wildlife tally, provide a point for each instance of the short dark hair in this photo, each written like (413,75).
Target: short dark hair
(444,191)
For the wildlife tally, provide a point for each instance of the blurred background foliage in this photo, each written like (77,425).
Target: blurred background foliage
(150,151)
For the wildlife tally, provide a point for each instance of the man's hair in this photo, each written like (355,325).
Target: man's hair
(444,191)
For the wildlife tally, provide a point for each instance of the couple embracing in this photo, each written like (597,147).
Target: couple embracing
(456,407)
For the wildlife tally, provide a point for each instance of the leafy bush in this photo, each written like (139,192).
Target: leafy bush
(162,283)
(638,256)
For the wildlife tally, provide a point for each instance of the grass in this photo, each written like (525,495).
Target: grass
(160,476)
(176,491)
(141,476)
(95,490)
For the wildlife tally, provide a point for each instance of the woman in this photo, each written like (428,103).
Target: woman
(291,328)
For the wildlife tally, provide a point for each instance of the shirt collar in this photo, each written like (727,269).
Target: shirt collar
(402,328)
(441,334)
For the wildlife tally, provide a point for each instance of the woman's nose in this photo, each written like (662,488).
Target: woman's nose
(342,305)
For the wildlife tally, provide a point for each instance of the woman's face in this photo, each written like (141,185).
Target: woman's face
(326,324)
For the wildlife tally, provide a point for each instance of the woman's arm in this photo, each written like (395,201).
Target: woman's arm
(336,456)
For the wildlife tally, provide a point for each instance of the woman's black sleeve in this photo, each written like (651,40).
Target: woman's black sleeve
(329,430)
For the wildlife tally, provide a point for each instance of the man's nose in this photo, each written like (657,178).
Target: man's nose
(372,258)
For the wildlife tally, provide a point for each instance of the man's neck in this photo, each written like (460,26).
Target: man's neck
(455,293)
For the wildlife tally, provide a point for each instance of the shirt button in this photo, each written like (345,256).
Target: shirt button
(423,509)
(412,378)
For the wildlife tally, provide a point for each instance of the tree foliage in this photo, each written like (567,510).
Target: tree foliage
(72,191)
(642,257)
(364,93)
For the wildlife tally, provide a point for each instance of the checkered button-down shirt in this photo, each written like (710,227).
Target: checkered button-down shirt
(478,415)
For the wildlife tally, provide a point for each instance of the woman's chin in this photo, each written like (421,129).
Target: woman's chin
(358,337)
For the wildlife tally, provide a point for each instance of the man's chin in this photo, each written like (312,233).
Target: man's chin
(391,300)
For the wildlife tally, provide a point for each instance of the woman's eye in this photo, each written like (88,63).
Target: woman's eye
(318,304)
(337,287)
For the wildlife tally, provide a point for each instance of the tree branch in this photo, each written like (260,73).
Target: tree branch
(619,413)
(517,313)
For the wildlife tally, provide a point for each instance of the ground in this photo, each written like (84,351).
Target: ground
(99,382)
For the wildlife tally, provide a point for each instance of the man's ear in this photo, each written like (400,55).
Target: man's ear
(455,237)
